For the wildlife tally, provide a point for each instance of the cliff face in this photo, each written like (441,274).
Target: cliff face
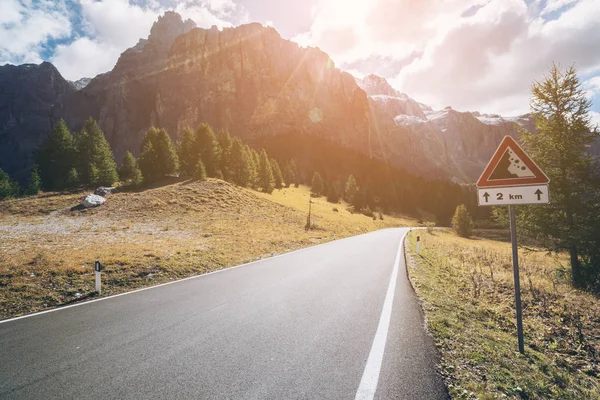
(31,99)
(245,79)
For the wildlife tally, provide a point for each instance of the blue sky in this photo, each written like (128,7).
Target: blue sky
(470,54)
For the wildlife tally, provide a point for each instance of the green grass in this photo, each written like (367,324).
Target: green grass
(466,288)
(152,236)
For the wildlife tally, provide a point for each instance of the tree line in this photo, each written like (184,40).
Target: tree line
(68,160)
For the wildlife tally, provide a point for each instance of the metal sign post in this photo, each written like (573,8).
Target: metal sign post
(515,257)
(511,177)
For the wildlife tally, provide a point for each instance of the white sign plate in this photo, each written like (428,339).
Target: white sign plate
(502,196)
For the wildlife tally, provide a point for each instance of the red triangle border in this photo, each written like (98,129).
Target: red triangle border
(508,142)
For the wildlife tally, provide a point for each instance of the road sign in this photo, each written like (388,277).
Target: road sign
(510,166)
(502,196)
(511,178)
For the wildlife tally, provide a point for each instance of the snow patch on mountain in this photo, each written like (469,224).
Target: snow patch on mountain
(408,120)
(81,83)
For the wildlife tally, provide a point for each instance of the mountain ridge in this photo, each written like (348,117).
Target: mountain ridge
(252,82)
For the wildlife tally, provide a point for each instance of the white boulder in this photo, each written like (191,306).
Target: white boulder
(93,200)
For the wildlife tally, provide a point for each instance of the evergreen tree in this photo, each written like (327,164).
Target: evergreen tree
(188,152)
(239,164)
(265,173)
(254,167)
(294,173)
(351,189)
(72,178)
(200,172)
(462,223)
(564,131)
(8,187)
(277,174)
(137,178)
(96,164)
(209,150)
(317,184)
(56,157)
(128,166)
(288,175)
(334,192)
(225,143)
(157,157)
(34,186)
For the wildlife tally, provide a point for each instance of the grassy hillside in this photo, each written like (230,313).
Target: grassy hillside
(49,245)
(466,286)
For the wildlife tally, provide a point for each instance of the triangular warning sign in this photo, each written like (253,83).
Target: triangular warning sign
(510,166)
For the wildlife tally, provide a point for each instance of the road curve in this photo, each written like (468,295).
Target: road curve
(298,326)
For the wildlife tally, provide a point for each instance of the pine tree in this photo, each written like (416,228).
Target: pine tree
(96,164)
(137,178)
(265,173)
(277,174)
(8,187)
(128,166)
(317,184)
(225,142)
(334,192)
(56,157)
(188,152)
(239,164)
(462,223)
(200,172)
(157,157)
(209,149)
(294,174)
(288,175)
(351,189)
(564,131)
(34,186)
(72,178)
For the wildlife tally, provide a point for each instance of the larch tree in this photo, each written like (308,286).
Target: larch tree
(277,175)
(564,132)
(128,166)
(96,164)
(317,184)
(208,149)
(265,173)
(188,153)
(56,157)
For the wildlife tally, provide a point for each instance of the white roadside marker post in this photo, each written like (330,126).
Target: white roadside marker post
(419,245)
(98,267)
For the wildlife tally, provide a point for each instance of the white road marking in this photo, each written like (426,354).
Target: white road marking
(169,283)
(370,378)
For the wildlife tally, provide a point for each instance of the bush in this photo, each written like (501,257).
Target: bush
(430,225)
(462,223)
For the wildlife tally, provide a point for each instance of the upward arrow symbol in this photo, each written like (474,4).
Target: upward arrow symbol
(539,194)
(487,196)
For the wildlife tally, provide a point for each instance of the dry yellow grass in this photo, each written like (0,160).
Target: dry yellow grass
(467,290)
(152,236)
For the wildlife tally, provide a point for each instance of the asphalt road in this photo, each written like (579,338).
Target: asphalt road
(327,322)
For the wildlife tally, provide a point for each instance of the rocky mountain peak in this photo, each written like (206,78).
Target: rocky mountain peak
(168,27)
(375,85)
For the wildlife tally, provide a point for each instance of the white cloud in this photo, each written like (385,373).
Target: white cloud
(110,27)
(84,57)
(24,30)
(474,55)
